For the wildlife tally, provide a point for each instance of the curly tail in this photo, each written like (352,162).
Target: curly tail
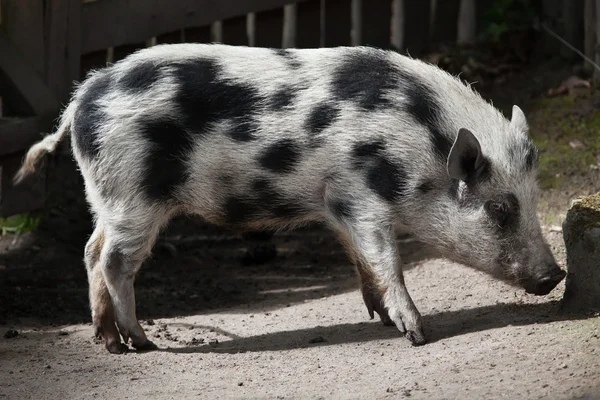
(45,146)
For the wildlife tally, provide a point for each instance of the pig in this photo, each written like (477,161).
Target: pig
(361,139)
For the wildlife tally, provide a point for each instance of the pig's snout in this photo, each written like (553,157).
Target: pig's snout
(543,285)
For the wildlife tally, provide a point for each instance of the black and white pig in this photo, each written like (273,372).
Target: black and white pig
(361,139)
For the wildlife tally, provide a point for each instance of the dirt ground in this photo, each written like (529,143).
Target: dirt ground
(292,326)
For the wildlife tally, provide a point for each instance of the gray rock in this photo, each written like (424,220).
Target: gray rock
(581,232)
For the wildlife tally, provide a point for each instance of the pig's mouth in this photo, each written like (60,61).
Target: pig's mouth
(544,285)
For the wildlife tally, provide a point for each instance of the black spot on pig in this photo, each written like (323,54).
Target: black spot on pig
(364,150)
(274,202)
(204,97)
(240,210)
(243,129)
(282,156)
(425,187)
(140,77)
(167,171)
(341,208)
(425,109)
(365,78)
(282,99)
(321,117)
(387,179)
(289,56)
(384,177)
(89,117)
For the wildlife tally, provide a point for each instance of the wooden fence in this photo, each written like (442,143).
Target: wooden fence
(47,45)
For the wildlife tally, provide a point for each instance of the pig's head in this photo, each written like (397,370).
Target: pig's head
(493,214)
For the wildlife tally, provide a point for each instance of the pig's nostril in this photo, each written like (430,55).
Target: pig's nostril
(549,282)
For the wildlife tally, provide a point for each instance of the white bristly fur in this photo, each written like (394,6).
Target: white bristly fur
(128,220)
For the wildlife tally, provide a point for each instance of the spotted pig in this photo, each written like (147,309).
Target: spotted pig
(360,139)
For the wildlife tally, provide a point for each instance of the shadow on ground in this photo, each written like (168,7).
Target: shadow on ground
(438,326)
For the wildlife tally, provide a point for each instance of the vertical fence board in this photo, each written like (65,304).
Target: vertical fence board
(376,23)
(269,28)
(120,52)
(416,26)
(338,23)
(308,23)
(481,9)
(234,31)
(23,22)
(445,22)
(197,35)
(573,21)
(290,13)
(590,33)
(597,53)
(93,60)
(63,46)
(170,37)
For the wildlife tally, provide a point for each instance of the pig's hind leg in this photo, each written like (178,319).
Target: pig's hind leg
(372,244)
(127,244)
(103,315)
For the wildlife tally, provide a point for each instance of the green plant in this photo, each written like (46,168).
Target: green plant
(18,224)
(507,15)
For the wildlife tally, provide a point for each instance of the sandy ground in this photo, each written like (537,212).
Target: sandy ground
(309,336)
(290,327)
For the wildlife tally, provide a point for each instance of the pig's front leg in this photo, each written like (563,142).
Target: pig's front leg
(380,268)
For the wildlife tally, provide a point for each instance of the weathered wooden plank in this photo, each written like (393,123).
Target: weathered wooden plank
(467,22)
(234,31)
(290,12)
(27,196)
(93,60)
(170,37)
(23,24)
(590,33)
(338,23)
(28,87)
(108,23)
(197,35)
(376,23)
(63,46)
(17,134)
(120,52)
(416,26)
(573,21)
(308,24)
(445,22)
(269,28)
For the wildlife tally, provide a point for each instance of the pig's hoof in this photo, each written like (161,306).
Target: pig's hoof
(116,347)
(145,346)
(97,332)
(417,338)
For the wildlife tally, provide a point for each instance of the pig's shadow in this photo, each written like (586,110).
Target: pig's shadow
(438,326)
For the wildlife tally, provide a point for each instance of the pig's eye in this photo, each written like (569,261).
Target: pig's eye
(498,207)
(498,211)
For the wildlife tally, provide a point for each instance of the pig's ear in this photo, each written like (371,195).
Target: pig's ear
(465,160)
(518,120)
